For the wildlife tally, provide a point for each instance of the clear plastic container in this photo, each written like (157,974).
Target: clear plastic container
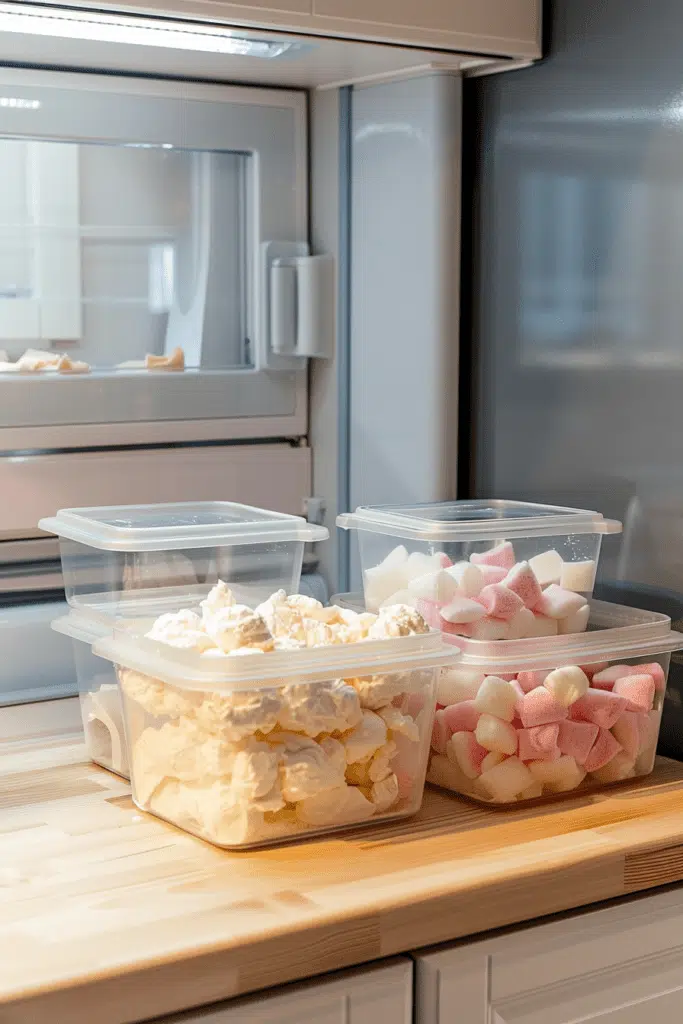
(169,555)
(248,751)
(527,720)
(492,570)
(100,696)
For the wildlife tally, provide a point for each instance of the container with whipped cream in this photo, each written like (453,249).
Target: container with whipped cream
(253,726)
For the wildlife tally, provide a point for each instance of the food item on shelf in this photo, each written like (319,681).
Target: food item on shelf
(535,733)
(35,361)
(174,361)
(490,597)
(244,766)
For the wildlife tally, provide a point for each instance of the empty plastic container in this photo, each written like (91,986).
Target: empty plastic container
(248,751)
(100,696)
(530,719)
(172,554)
(491,570)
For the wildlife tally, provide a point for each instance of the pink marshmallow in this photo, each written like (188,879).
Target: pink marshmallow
(602,751)
(576,739)
(502,555)
(655,670)
(444,560)
(639,691)
(592,670)
(492,573)
(462,717)
(467,753)
(626,730)
(557,603)
(429,610)
(516,687)
(500,602)
(522,581)
(440,733)
(599,707)
(539,707)
(530,680)
(463,609)
(607,677)
(539,743)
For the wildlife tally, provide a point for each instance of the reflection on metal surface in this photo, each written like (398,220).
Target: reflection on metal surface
(579,280)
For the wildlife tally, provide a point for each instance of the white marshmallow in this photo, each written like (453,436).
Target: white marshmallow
(506,781)
(399,597)
(575,623)
(468,578)
(434,586)
(456,684)
(578,576)
(620,767)
(543,626)
(386,578)
(521,625)
(462,610)
(446,773)
(547,567)
(558,776)
(493,758)
(497,697)
(488,629)
(558,603)
(567,684)
(532,793)
(494,734)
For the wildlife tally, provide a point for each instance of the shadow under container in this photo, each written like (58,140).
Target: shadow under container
(402,547)
(171,555)
(253,750)
(98,691)
(526,720)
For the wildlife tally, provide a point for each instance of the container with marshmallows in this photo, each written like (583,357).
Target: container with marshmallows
(529,719)
(253,726)
(486,570)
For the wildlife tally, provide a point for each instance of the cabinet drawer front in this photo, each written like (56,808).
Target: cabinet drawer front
(372,995)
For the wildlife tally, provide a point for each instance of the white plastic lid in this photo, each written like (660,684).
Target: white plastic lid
(614,632)
(192,671)
(475,520)
(179,526)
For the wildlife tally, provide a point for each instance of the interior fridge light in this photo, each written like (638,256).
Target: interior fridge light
(31,19)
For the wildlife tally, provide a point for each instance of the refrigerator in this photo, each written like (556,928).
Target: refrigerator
(229,269)
(573,308)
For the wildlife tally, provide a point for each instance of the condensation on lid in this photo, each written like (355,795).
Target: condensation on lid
(189,670)
(614,632)
(179,526)
(494,519)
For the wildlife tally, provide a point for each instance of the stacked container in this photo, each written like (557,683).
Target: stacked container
(537,706)
(242,751)
(125,564)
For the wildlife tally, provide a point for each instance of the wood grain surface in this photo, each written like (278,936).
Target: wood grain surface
(110,916)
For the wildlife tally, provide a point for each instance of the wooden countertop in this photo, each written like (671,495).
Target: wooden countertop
(109,915)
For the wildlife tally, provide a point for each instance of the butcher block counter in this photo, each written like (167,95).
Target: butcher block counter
(108,915)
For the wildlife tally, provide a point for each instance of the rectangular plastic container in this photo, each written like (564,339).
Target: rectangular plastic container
(491,570)
(527,720)
(98,689)
(255,750)
(171,554)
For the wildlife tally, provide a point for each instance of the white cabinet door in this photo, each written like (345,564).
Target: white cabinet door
(620,965)
(371,995)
